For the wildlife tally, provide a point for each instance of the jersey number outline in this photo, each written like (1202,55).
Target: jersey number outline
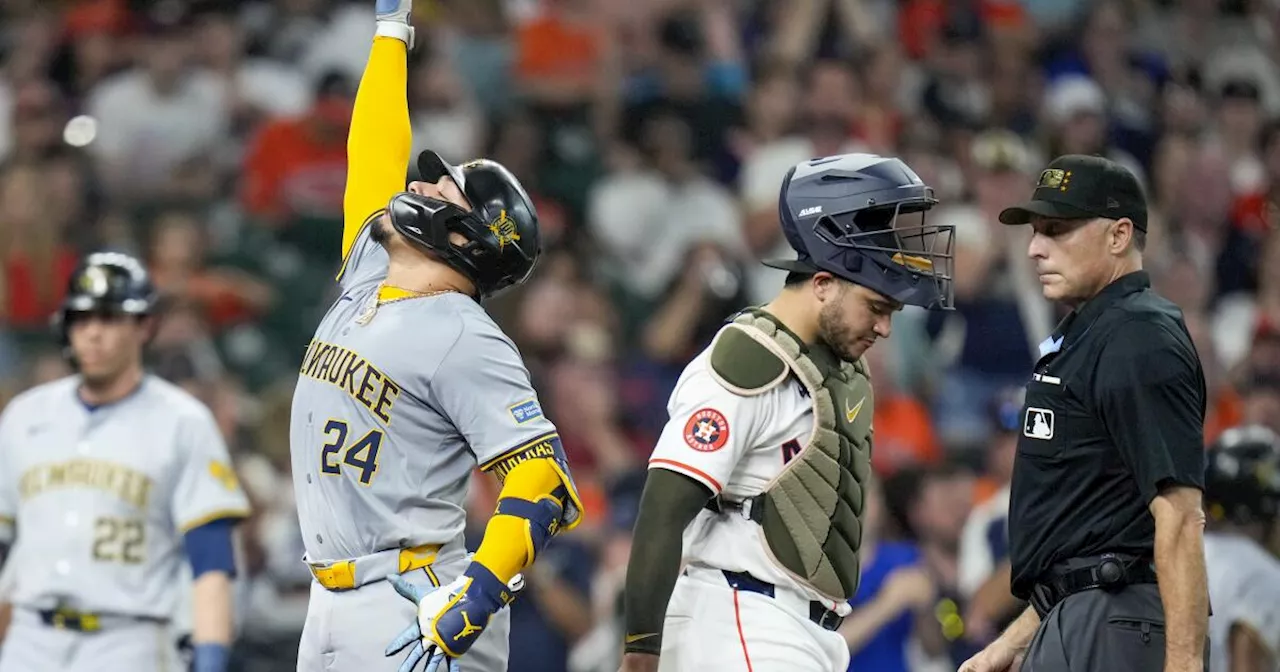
(362,454)
(789,450)
(119,540)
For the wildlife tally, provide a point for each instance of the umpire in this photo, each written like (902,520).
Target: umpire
(1105,519)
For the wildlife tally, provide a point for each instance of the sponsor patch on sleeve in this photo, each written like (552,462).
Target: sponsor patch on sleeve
(707,431)
(526,411)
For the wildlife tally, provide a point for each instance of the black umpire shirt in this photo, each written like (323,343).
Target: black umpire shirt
(1114,411)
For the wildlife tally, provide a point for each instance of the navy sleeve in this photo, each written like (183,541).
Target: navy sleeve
(1150,396)
(209,547)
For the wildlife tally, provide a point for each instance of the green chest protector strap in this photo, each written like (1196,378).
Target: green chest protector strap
(811,513)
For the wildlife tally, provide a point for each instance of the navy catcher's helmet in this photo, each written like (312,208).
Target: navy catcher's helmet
(1242,481)
(105,282)
(503,242)
(861,217)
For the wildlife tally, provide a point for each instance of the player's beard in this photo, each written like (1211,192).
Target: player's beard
(833,329)
(381,230)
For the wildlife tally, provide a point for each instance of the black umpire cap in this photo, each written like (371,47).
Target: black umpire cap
(1076,186)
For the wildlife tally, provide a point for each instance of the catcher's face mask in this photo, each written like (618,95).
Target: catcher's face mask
(910,260)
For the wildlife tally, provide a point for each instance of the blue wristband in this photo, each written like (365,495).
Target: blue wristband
(211,658)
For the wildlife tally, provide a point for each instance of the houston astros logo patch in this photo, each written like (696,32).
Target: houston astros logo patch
(504,229)
(707,430)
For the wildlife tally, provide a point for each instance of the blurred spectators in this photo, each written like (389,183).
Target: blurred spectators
(295,165)
(158,117)
(894,605)
(990,341)
(929,506)
(984,570)
(209,137)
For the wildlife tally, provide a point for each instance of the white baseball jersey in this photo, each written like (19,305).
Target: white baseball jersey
(984,542)
(735,446)
(101,497)
(1244,587)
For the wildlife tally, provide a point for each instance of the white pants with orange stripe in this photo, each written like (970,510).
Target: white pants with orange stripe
(711,626)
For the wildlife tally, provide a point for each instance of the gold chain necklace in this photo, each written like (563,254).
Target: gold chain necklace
(374,302)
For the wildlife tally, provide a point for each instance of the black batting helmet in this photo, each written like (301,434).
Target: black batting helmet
(861,217)
(501,230)
(105,282)
(1242,480)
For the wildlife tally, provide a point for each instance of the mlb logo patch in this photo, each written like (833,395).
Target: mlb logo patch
(526,411)
(1038,423)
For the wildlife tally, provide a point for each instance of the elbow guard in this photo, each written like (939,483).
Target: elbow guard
(541,518)
(548,453)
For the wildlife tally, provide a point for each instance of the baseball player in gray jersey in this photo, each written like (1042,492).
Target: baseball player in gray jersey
(106,477)
(405,389)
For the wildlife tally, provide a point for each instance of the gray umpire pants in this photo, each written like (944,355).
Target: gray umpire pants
(1100,631)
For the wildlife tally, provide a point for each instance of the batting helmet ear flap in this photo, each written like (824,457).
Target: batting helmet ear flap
(428,223)
(414,215)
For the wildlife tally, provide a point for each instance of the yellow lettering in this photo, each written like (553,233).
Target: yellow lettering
(139,490)
(339,363)
(317,355)
(323,373)
(130,486)
(97,475)
(341,368)
(308,356)
(367,386)
(347,382)
(30,483)
(542,449)
(113,478)
(386,399)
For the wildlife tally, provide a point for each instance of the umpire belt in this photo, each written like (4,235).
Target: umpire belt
(1110,572)
(826,619)
(350,574)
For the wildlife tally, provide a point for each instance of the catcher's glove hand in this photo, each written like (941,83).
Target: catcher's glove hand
(451,617)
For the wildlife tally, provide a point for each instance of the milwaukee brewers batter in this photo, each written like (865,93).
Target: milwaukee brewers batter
(406,388)
(762,462)
(109,478)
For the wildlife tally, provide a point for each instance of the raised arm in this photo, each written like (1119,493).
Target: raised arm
(380,139)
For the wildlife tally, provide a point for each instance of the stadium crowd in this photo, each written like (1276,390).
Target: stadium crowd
(209,138)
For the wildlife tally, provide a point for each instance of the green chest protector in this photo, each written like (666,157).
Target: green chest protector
(811,513)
